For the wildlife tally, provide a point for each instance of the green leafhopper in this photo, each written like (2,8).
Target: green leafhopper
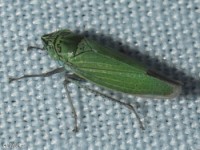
(85,60)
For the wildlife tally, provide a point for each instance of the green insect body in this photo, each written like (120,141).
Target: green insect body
(105,67)
(89,61)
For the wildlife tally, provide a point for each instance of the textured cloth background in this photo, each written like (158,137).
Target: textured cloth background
(35,113)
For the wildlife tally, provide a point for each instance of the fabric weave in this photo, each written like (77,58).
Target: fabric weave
(35,113)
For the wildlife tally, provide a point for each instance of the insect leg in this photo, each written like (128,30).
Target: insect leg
(47,74)
(66,82)
(70,78)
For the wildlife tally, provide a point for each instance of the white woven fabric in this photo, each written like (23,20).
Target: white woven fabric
(35,113)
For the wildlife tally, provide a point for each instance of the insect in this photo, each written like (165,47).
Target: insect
(85,60)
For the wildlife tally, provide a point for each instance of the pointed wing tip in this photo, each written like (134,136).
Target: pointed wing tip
(177,88)
(176,85)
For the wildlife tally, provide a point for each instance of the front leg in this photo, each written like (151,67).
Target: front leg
(46,74)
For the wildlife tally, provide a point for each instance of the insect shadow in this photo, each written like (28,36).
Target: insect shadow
(190,85)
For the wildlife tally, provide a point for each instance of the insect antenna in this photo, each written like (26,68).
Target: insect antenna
(34,47)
